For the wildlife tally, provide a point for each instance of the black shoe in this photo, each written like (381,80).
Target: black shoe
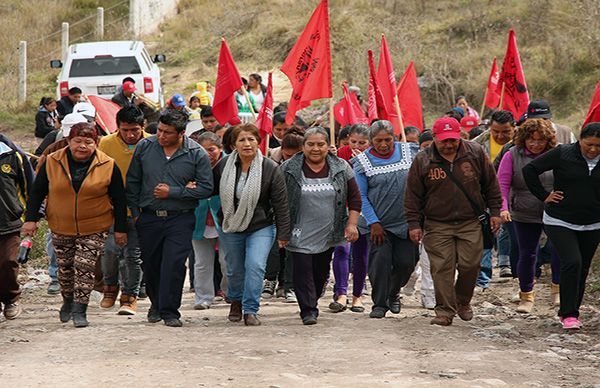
(173,322)
(394,304)
(337,307)
(153,315)
(79,315)
(378,312)
(66,310)
(142,293)
(309,320)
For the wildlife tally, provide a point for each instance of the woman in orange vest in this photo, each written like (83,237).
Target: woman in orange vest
(84,196)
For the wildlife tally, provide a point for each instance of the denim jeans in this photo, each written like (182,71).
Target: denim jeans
(246,257)
(52,265)
(504,247)
(485,273)
(130,255)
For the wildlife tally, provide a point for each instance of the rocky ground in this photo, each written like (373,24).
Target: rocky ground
(497,348)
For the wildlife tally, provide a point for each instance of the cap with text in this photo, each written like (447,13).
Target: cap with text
(446,128)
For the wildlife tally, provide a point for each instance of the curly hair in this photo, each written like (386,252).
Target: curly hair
(531,126)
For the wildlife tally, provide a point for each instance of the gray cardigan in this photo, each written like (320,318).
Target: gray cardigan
(339,172)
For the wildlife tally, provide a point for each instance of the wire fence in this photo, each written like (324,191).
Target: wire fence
(48,46)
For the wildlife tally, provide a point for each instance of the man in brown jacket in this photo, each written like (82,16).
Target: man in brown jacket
(439,214)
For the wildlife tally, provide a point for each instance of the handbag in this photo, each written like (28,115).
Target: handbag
(483,215)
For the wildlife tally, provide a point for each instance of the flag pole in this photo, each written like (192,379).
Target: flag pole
(249,103)
(502,95)
(331,122)
(483,103)
(399,113)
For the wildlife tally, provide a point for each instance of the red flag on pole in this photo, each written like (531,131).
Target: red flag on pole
(377,109)
(516,97)
(386,77)
(106,113)
(348,110)
(264,120)
(492,98)
(228,82)
(409,98)
(308,65)
(593,115)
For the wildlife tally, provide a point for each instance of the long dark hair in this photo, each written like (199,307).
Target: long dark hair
(46,100)
(258,79)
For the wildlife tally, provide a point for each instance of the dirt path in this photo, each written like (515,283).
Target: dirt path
(497,348)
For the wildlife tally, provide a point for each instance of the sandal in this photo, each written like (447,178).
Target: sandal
(357,306)
(337,307)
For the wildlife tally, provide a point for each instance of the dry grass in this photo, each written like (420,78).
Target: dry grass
(39,24)
(451,42)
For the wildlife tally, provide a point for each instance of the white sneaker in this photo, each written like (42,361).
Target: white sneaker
(290,297)
(202,306)
(427,300)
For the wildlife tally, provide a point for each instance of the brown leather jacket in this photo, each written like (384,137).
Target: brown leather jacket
(431,194)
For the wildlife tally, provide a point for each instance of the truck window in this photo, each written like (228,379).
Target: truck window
(92,67)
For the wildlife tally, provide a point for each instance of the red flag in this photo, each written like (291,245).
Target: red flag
(308,65)
(593,115)
(386,77)
(492,98)
(106,113)
(409,98)
(348,110)
(228,82)
(516,97)
(264,120)
(377,109)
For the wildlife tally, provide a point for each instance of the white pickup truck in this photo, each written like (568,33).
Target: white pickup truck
(98,68)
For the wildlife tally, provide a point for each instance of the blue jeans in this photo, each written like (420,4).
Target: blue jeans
(485,273)
(126,260)
(246,258)
(52,265)
(504,247)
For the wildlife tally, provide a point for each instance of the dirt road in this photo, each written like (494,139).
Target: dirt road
(497,348)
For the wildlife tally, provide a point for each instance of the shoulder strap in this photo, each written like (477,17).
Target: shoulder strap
(455,180)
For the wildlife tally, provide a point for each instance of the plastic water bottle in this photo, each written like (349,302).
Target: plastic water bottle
(24,249)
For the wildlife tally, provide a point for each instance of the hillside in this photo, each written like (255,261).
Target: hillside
(451,42)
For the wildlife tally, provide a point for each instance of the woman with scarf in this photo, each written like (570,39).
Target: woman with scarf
(253,200)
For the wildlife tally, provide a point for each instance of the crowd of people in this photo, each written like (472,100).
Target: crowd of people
(126,211)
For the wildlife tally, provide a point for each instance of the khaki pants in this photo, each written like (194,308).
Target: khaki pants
(451,247)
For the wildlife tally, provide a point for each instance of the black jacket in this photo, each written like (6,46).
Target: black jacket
(273,199)
(44,123)
(64,107)
(120,99)
(581,189)
(14,187)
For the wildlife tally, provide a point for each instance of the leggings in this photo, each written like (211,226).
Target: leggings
(77,257)
(576,250)
(341,267)
(528,236)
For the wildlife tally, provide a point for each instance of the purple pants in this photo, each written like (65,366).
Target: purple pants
(341,267)
(528,236)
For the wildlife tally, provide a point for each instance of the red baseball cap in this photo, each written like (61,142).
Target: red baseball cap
(468,123)
(129,87)
(446,128)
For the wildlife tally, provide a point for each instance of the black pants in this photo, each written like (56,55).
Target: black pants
(280,267)
(310,274)
(165,243)
(575,250)
(390,267)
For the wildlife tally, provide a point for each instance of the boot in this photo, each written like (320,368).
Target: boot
(555,294)
(79,315)
(235,311)
(110,296)
(66,310)
(251,320)
(526,303)
(128,305)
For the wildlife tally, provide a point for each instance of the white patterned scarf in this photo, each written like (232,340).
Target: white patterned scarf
(238,220)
